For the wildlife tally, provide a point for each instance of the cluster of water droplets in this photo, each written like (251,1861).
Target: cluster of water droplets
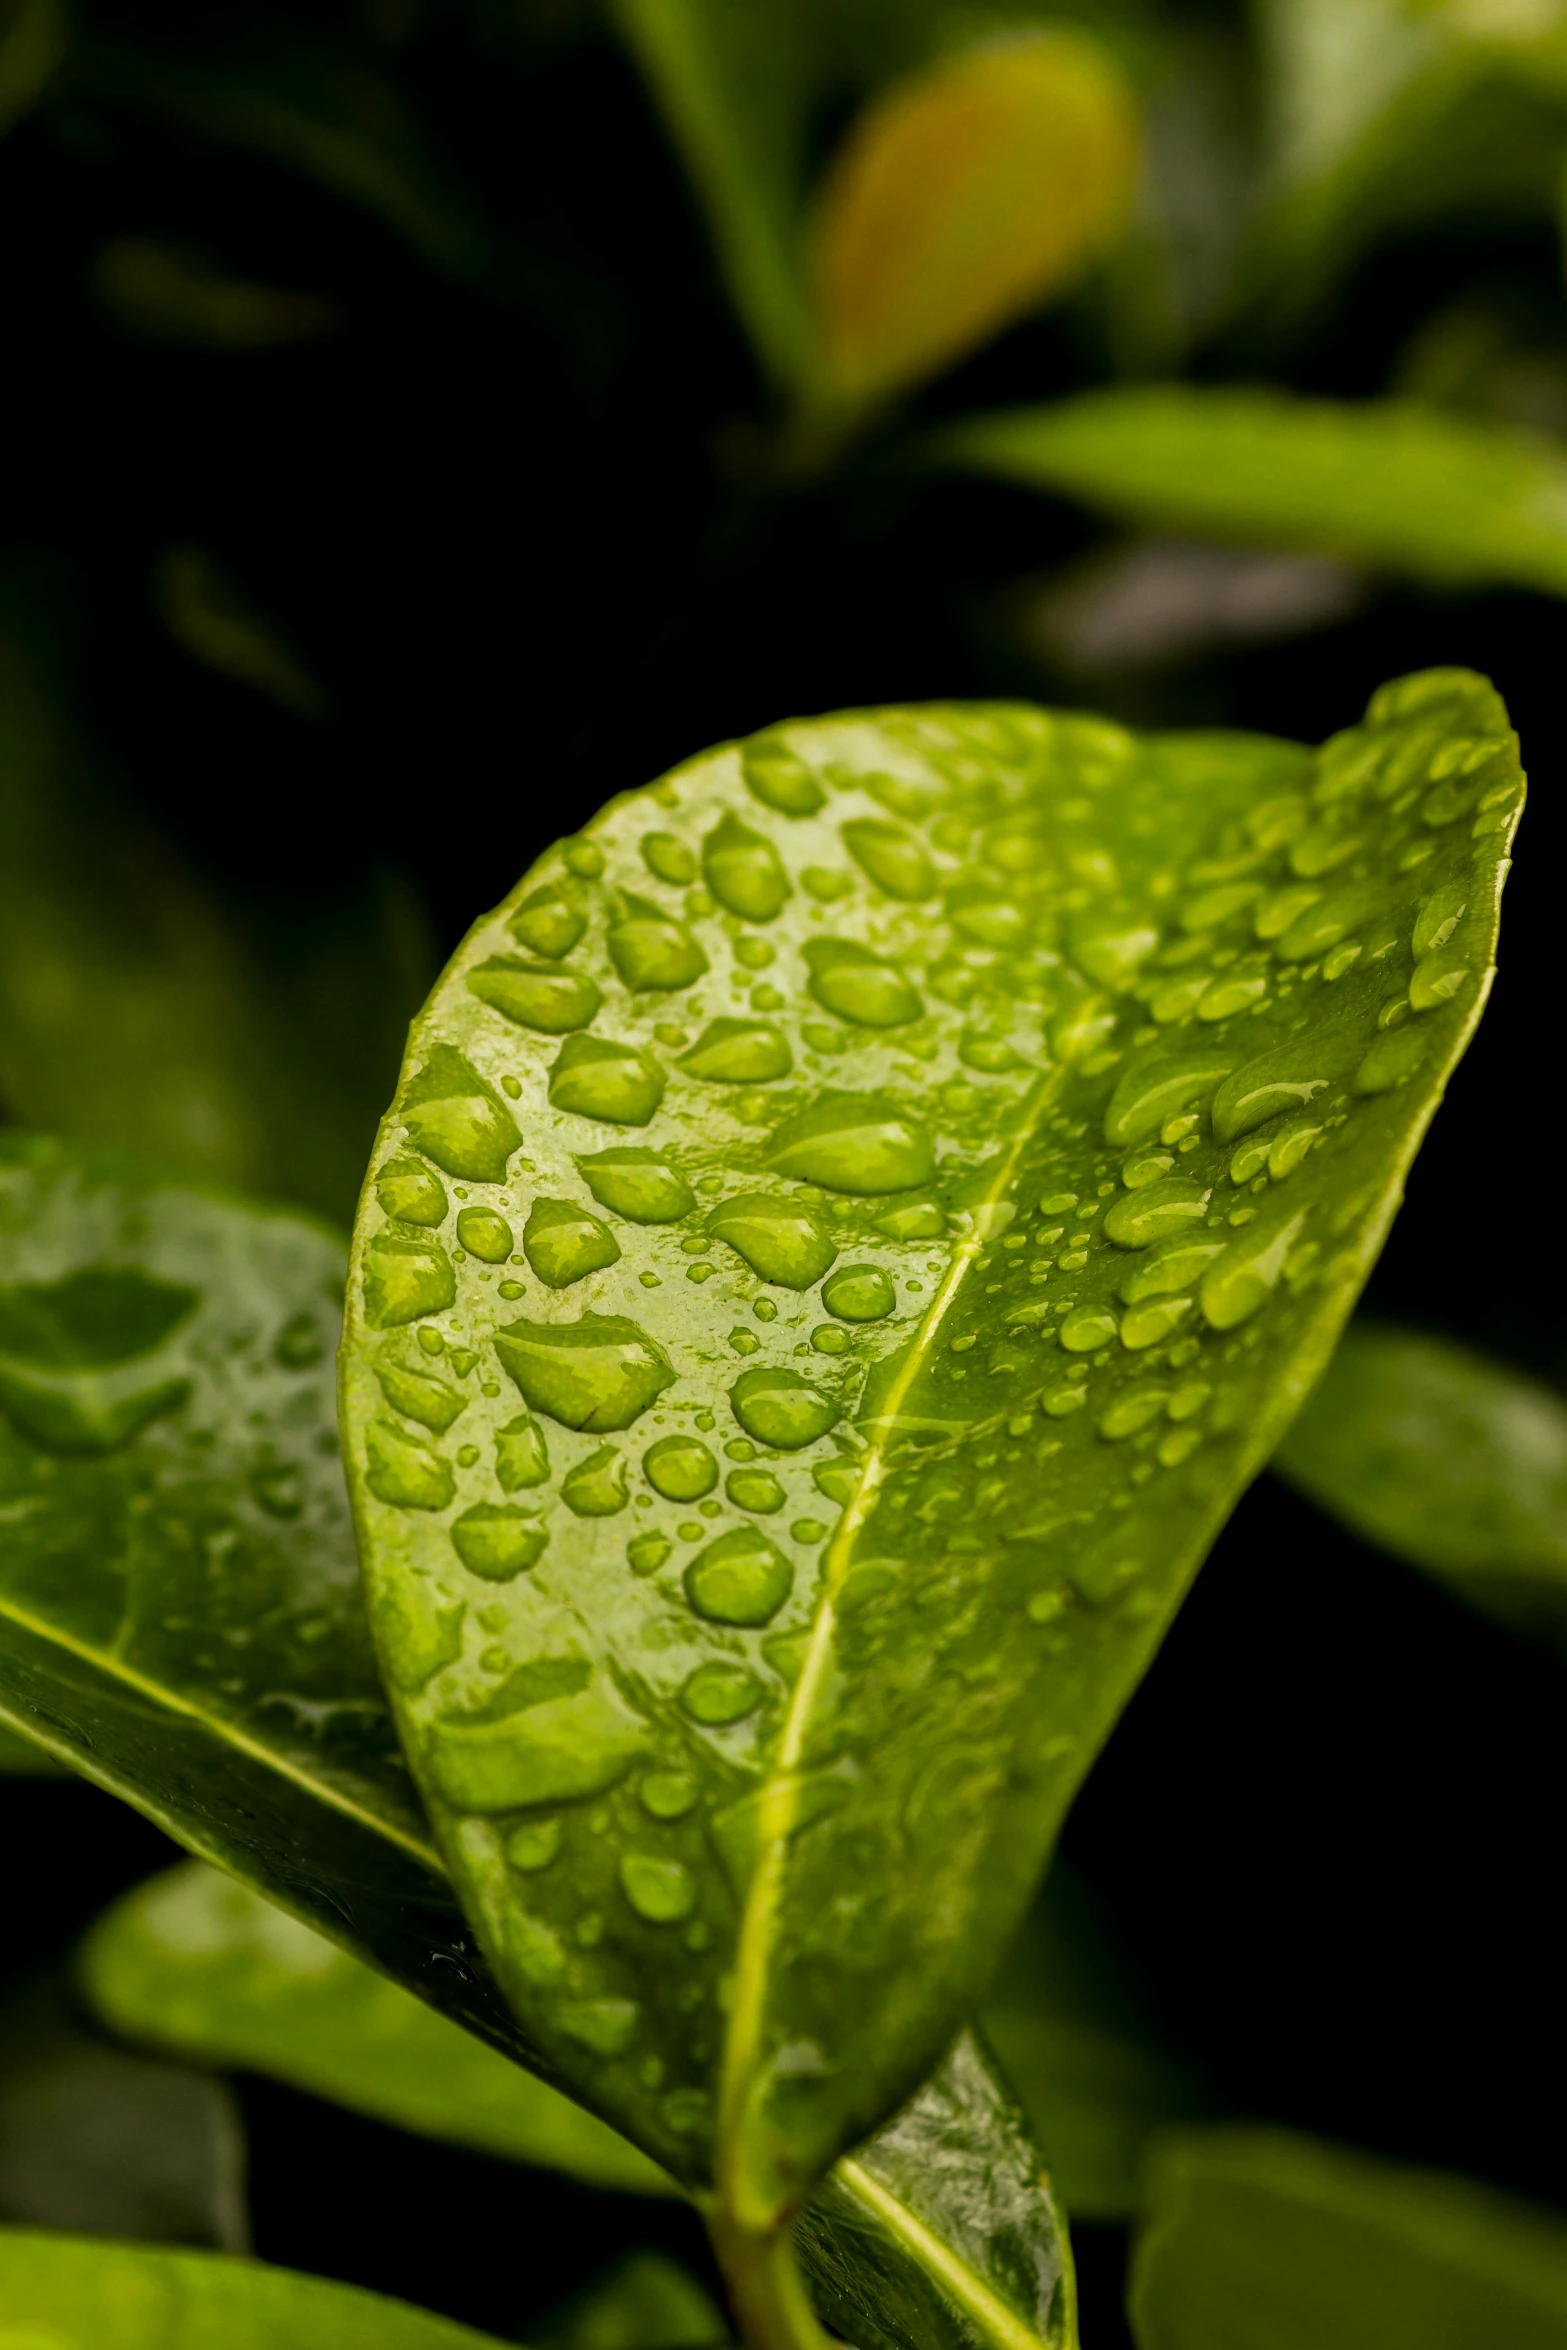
(947,1089)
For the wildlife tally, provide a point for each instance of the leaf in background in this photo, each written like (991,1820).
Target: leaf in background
(960,197)
(645,2302)
(1072,2028)
(168,293)
(1284,2243)
(1402,488)
(1448,1461)
(193,1962)
(138,1010)
(275,1758)
(95,2139)
(34,37)
(1087,1069)
(71,2293)
(213,620)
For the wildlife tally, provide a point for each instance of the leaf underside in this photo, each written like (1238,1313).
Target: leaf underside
(879,1194)
(208,1660)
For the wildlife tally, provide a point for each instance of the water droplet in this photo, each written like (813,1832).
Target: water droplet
(1087,1327)
(596,1487)
(666,855)
(1188,1399)
(778,1237)
(982,914)
(533,995)
(402,1471)
(564,1242)
(742,871)
(859,1293)
(1322,926)
(1111,952)
(646,1553)
(779,778)
(892,857)
(548,922)
(597,1374)
(837,1480)
(432,1343)
(1146,1325)
(550,1734)
(534,1845)
(1245,1276)
(742,1578)
(420,1397)
(484,1234)
(681,1468)
(662,1891)
(1131,1412)
(828,1339)
(808,1531)
(279,1489)
(1437,978)
(1291,1144)
(1392,1061)
(739,1052)
(1065,1400)
(1221,999)
(1153,1091)
(757,1490)
(859,1143)
(497,1542)
(860,986)
(1322,850)
(1174,1266)
(651,950)
(584,858)
(668,1795)
(458,1120)
(1211,908)
(606,2027)
(405,1278)
(638,1185)
(717,1694)
(918,1219)
(1155,1211)
(599,1079)
(521,1455)
(298,1344)
(781,1409)
(1145,1167)
(1287,1078)
(410,1193)
(1281,908)
(1439,916)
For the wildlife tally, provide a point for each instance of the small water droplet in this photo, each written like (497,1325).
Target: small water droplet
(1391,1061)
(298,1343)
(662,1891)
(1146,1325)
(742,871)
(1129,1413)
(1175,1265)
(757,1490)
(781,1409)
(860,986)
(859,1293)
(596,1487)
(828,1339)
(1152,1092)
(458,1120)
(919,1219)
(892,858)
(668,1795)
(982,914)
(681,1468)
(651,951)
(404,1278)
(548,922)
(836,1480)
(808,1531)
(605,2027)
(597,1078)
(534,1845)
(279,1488)
(564,1242)
(498,1542)
(717,1694)
(742,1578)
(399,1469)
(1155,1211)
(666,855)
(534,995)
(637,1184)
(1244,1277)
(739,1052)
(778,1237)
(646,1553)
(597,1374)
(484,1234)
(584,858)
(419,1396)
(1087,1327)
(1437,978)
(1287,1078)
(779,777)
(856,1143)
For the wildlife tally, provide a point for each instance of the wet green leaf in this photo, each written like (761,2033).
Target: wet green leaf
(1446,1460)
(193,1962)
(63,2292)
(1124,1173)
(1076,2037)
(23,1758)
(1393,486)
(133,1654)
(1285,2243)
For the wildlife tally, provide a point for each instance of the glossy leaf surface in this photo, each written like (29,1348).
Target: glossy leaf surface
(193,1962)
(1106,1060)
(1276,2242)
(1396,487)
(62,2292)
(1448,1461)
(22,1757)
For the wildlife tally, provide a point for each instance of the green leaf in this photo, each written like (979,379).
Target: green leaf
(645,2302)
(281,1766)
(1284,2243)
(1130,1051)
(22,1757)
(1446,1460)
(1072,2028)
(1396,487)
(74,2293)
(192,1962)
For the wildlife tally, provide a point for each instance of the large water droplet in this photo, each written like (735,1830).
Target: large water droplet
(1146,1325)
(666,855)
(404,1278)
(1391,1061)
(599,1079)
(778,1237)
(893,858)
(548,922)
(484,1234)
(1287,1078)
(780,778)
(564,1242)
(521,1455)
(742,870)
(1152,1091)
(596,1487)
(497,1543)
(757,1490)
(526,1748)
(598,1374)
(1175,1266)
(1246,1275)
(859,1143)
(638,1185)
(859,986)
(420,1397)
(981,913)
(646,1553)
(651,950)
(410,1193)
(1439,916)
(662,1891)
(859,1293)
(402,1471)
(535,996)
(668,1795)
(1437,978)
(781,1409)
(742,1578)
(1088,1327)
(1155,1211)
(458,1120)
(739,1052)
(717,1694)
(681,1468)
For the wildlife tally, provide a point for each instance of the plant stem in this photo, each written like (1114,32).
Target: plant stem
(766,2290)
